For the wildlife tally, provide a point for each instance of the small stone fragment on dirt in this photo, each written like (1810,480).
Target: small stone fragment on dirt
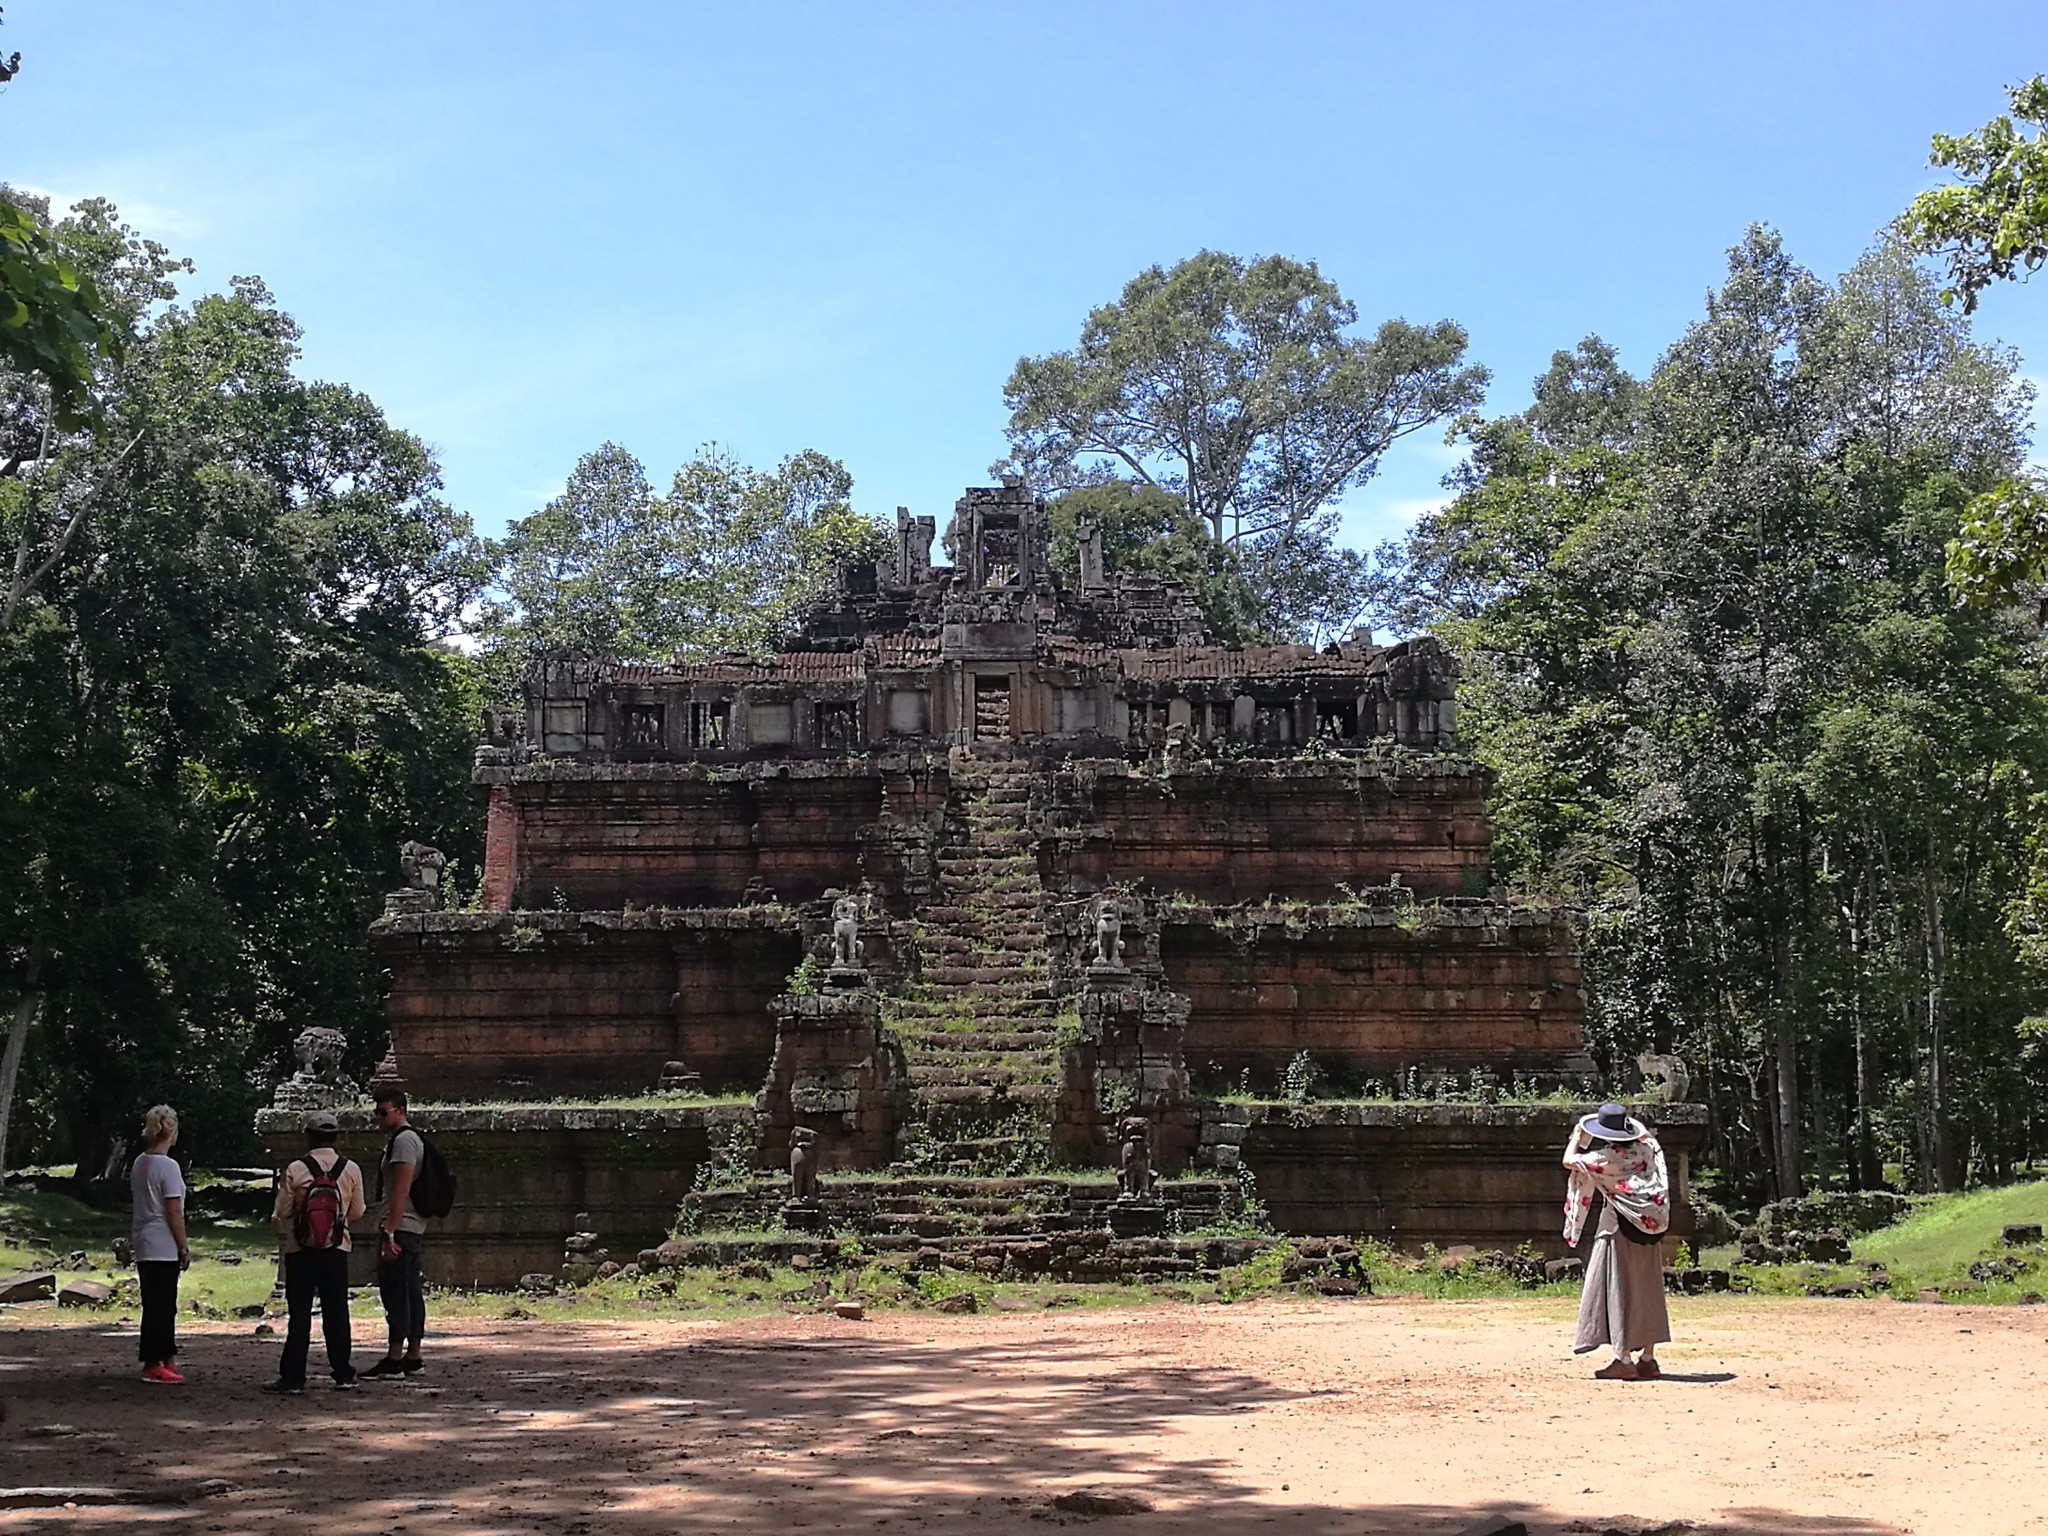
(1096,1502)
(252,1311)
(263,1330)
(1497,1525)
(852,1311)
(213,1487)
(49,1432)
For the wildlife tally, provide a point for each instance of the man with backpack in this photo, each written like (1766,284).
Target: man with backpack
(318,1195)
(414,1183)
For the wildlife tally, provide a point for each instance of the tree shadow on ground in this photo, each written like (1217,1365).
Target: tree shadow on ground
(593,1431)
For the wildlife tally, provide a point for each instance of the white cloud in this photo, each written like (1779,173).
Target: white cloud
(158,220)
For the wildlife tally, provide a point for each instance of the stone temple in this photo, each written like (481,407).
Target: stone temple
(985,886)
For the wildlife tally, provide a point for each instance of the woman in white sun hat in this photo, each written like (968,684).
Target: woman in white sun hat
(1616,1165)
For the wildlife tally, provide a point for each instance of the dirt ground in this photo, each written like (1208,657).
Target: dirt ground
(1319,1418)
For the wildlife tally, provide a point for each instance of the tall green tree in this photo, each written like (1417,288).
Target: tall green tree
(1710,652)
(1237,387)
(726,560)
(226,703)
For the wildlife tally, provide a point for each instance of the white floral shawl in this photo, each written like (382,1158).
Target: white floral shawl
(1632,1177)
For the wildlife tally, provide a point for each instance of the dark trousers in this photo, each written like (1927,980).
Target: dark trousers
(402,1284)
(158,1281)
(321,1272)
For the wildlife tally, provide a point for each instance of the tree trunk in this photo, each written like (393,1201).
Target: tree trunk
(1941,1139)
(25,1008)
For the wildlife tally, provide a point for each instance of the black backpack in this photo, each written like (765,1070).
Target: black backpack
(433,1183)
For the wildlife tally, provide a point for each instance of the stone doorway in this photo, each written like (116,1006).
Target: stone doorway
(991,709)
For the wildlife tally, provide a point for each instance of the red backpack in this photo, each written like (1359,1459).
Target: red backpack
(323,1213)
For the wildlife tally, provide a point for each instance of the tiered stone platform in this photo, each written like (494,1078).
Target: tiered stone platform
(987,874)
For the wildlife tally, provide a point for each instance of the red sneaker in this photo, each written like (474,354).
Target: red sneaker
(165,1375)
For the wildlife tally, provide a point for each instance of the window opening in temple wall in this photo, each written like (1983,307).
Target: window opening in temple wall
(771,725)
(1273,725)
(991,708)
(644,726)
(999,547)
(1217,727)
(710,724)
(1337,719)
(910,712)
(836,725)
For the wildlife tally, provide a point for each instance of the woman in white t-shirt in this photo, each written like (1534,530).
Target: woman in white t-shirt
(157,1222)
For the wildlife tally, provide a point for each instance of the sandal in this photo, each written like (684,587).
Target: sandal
(1616,1370)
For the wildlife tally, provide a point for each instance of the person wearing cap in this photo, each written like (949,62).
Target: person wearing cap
(1616,1166)
(321,1270)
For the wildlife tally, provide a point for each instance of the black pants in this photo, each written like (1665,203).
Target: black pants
(402,1285)
(321,1272)
(158,1281)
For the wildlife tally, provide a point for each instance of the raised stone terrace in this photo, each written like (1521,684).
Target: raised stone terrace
(988,873)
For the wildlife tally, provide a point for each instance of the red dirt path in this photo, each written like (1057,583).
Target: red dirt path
(1823,1418)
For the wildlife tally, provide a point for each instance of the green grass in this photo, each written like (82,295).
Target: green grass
(42,1230)
(1938,1241)
(1930,1250)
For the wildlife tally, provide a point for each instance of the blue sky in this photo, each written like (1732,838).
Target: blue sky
(524,229)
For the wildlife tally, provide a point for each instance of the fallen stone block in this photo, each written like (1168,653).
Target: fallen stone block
(852,1311)
(37,1285)
(964,1301)
(2016,1233)
(58,1497)
(1564,1269)
(85,1293)
(537,1284)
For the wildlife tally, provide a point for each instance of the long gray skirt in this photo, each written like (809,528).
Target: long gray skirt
(1622,1303)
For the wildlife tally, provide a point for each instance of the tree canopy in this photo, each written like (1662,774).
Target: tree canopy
(1236,387)
(227,703)
(725,561)
(1709,651)
(1990,226)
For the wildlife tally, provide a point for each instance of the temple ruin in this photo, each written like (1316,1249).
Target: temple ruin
(989,882)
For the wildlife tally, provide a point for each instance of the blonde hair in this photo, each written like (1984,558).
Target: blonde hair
(160,1124)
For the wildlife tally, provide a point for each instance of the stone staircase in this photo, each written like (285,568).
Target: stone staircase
(982,1214)
(978,1031)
